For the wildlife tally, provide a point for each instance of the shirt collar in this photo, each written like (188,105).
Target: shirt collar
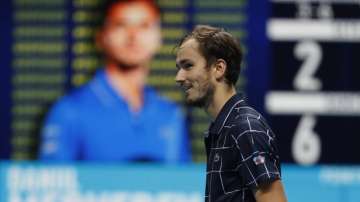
(108,95)
(224,113)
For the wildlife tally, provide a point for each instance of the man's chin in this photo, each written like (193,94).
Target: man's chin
(129,64)
(128,61)
(135,58)
(195,102)
(202,101)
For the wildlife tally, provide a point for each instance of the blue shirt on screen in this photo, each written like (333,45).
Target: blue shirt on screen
(95,123)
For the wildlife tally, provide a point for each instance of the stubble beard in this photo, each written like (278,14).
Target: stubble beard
(124,66)
(203,101)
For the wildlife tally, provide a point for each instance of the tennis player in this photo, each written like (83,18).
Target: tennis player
(242,155)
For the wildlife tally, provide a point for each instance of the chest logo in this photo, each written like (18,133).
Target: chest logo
(216,157)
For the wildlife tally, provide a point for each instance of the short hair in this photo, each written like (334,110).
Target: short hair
(106,5)
(215,43)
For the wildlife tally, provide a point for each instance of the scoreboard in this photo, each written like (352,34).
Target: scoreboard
(313,100)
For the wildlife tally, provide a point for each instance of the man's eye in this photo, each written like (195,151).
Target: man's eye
(187,66)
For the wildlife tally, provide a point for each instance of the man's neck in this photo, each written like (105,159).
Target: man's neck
(128,84)
(221,96)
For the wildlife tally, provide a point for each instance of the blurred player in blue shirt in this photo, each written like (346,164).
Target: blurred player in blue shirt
(116,116)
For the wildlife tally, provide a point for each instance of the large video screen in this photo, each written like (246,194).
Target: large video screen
(48,49)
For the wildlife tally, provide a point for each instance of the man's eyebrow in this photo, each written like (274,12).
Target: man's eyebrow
(182,62)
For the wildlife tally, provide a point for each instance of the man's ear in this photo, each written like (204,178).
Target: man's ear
(220,68)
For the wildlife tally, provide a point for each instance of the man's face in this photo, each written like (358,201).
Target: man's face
(193,74)
(131,34)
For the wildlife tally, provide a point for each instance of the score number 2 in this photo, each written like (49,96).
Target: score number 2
(306,144)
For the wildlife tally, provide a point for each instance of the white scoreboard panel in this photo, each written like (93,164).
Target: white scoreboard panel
(313,102)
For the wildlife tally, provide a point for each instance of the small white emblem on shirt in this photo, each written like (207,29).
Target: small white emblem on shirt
(259,160)
(216,157)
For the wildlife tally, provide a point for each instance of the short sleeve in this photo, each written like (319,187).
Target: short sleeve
(258,153)
(59,140)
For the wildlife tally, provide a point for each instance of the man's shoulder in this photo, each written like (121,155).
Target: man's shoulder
(245,118)
(75,97)
(96,87)
(245,112)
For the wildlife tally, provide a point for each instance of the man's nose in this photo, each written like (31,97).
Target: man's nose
(133,32)
(180,77)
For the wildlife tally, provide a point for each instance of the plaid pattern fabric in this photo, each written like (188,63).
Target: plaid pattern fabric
(241,153)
